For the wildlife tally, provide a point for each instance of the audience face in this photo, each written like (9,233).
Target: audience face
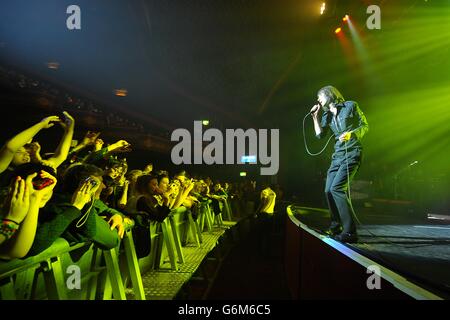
(21,157)
(198,187)
(164,184)
(114,172)
(148,168)
(153,186)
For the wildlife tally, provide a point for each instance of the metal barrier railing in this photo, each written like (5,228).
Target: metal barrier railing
(19,278)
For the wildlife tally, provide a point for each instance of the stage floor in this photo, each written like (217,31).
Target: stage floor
(419,252)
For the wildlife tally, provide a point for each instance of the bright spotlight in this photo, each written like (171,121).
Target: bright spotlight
(322,8)
(338,30)
(346,17)
(205,122)
(53,65)
(121,92)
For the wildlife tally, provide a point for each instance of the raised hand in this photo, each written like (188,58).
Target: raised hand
(121,143)
(315,111)
(189,185)
(124,182)
(98,143)
(69,121)
(20,199)
(35,151)
(49,121)
(40,194)
(121,146)
(90,137)
(83,195)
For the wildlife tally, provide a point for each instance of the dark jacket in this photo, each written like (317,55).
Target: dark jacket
(349,118)
(61,219)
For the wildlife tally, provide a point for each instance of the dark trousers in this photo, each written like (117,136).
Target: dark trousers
(336,188)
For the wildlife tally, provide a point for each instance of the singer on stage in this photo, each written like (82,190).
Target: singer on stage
(349,125)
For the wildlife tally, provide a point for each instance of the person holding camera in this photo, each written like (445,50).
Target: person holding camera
(101,157)
(31,189)
(184,188)
(77,214)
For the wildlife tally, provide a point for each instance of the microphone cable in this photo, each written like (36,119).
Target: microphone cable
(306,145)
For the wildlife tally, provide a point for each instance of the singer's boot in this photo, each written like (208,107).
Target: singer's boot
(346,237)
(333,230)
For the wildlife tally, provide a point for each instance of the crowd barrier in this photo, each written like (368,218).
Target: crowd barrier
(82,271)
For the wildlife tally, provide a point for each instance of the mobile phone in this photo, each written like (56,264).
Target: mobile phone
(41,183)
(92,181)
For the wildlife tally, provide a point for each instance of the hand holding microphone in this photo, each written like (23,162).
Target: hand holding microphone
(315,110)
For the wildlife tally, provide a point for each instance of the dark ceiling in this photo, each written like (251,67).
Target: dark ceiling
(238,63)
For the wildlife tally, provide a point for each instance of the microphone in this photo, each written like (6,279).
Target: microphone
(315,108)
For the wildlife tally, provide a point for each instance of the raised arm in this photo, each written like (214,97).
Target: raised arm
(183,194)
(320,126)
(62,151)
(89,139)
(124,197)
(10,148)
(119,146)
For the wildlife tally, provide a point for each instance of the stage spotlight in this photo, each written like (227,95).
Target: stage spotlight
(205,122)
(345,18)
(243,174)
(322,8)
(121,92)
(53,65)
(338,30)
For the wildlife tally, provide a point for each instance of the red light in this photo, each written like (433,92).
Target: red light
(345,18)
(337,30)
